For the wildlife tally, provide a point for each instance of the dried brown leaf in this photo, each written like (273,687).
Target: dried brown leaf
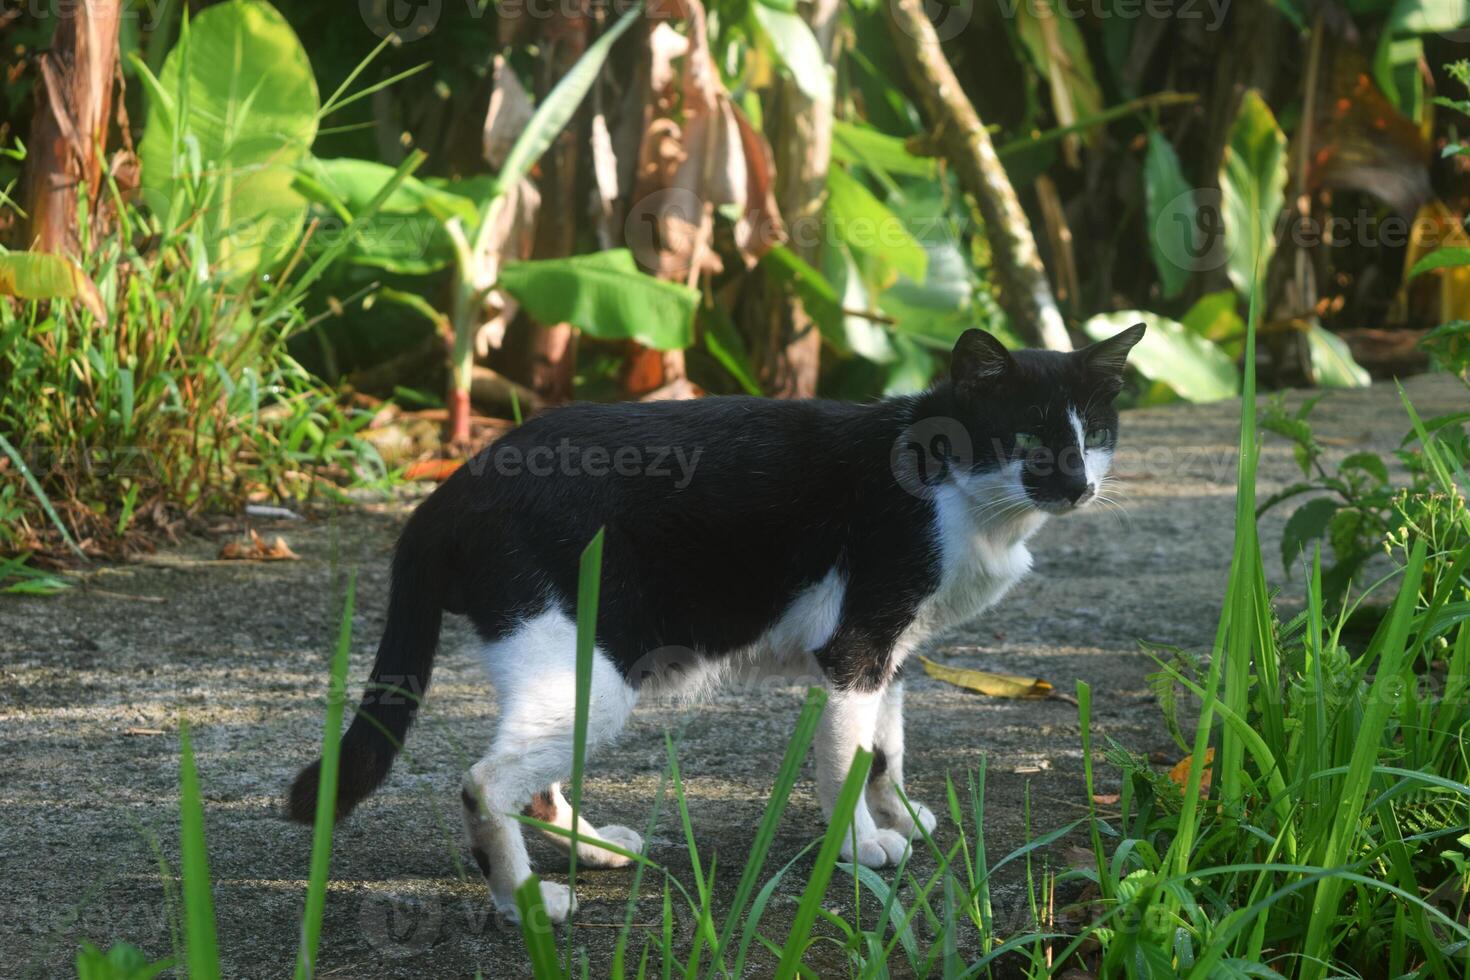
(255,548)
(1179,775)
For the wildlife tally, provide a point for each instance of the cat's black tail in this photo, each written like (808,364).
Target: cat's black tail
(399,680)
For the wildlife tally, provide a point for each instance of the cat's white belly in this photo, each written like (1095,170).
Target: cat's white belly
(783,652)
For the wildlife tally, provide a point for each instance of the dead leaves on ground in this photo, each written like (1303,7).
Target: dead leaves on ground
(256,548)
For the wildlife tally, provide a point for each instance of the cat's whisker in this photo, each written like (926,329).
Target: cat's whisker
(1117,511)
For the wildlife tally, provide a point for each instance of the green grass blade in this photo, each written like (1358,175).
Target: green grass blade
(589,585)
(796,750)
(326,796)
(536,930)
(1441,468)
(1084,719)
(705,933)
(1382,699)
(758,909)
(620,949)
(1182,847)
(816,888)
(199,927)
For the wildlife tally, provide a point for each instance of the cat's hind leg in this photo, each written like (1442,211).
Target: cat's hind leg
(534,673)
(550,806)
(885,779)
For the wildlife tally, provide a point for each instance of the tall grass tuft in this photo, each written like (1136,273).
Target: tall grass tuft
(187,400)
(1329,836)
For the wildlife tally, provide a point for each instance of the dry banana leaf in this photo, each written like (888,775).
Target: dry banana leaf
(994,685)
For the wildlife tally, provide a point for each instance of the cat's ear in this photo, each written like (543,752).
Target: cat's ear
(1108,358)
(978,357)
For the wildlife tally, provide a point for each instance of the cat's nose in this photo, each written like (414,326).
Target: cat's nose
(1083,494)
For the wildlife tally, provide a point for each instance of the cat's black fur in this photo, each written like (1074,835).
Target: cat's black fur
(701,560)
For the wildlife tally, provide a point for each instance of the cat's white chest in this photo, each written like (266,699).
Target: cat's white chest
(978,566)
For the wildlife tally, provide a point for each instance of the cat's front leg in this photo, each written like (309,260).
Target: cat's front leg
(850,723)
(885,782)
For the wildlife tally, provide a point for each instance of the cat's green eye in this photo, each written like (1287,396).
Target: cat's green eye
(1026,442)
(1096,437)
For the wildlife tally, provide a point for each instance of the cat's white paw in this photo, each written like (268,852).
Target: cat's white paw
(555,898)
(904,824)
(624,837)
(879,849)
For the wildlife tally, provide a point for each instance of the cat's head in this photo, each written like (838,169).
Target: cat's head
(1041,424)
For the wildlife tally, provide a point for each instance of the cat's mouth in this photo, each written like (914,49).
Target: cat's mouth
(1066,505)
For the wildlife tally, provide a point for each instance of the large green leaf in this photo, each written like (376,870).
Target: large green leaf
(1332,363)
(407,234)
(940,307)
(1396,60)
(1169,353)
(1440,258)
(875,234)
(236,105)
(798,50)
(912,370)
(1172,214)
(605,295)
(723,341)
(1213,317)
(1054,41)
(1252,181)
(860,335)
(856,142)
(355,182)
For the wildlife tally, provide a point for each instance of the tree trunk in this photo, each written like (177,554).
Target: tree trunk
(801,140)
(553,353)
(69,129)
(1025,293)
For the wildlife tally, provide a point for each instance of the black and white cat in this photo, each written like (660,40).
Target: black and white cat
(814,537)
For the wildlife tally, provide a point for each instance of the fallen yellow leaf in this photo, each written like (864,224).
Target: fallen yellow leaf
(994,685)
